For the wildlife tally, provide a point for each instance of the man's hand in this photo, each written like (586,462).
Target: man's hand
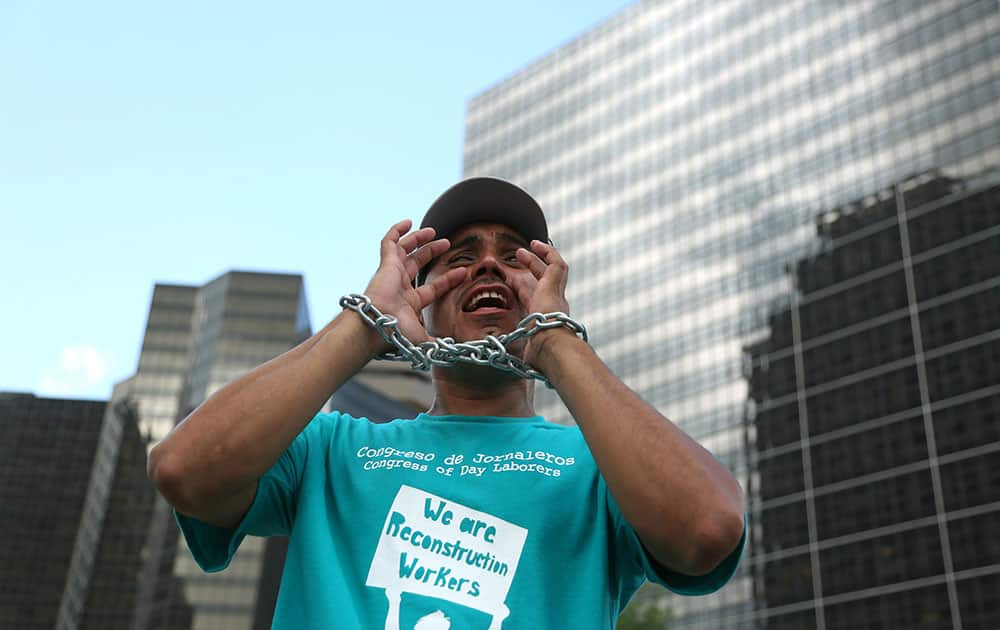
(544,291)
(649,464)
(391,289)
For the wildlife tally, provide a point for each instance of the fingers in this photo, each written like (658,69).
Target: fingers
(424,254)
(391,239)
(544,260)
(397,237)
(556,268)
(417,239)
(415,249)
(397,231)
(547,253)
(524,286)
(431,291)
(534,264)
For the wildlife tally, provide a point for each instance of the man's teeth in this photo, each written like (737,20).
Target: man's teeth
(487,295)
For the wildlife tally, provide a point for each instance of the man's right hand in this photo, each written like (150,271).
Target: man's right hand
(209,464)
(391,290)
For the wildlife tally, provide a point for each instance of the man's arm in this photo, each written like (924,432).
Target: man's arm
(208,465)
(685,506)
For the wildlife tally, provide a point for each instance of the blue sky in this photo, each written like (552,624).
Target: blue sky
(170,142)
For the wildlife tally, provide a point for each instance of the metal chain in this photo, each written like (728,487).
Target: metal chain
(446,352)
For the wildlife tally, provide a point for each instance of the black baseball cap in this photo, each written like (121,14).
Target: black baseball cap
(485,200)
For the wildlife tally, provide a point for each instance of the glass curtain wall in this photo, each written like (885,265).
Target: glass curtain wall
(689,156)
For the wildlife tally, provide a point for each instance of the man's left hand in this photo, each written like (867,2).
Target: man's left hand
(544,291)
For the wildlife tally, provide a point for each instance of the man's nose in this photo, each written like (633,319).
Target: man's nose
(488,264)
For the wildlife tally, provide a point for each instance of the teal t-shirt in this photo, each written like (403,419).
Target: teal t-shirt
(444,522)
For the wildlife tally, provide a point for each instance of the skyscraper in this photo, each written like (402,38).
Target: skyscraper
(196,340)
(682,152)
(91,544)
(875,404)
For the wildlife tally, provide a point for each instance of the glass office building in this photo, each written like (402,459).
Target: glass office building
(875,399)
(692,158)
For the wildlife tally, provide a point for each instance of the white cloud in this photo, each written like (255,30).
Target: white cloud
(82,371)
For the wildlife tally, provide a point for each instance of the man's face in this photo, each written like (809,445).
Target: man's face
(486,302)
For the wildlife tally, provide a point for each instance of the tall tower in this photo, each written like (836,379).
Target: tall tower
(875,405)
(196,340)
(682,152)
(116,560)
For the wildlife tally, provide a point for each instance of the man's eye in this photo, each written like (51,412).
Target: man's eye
(461,258)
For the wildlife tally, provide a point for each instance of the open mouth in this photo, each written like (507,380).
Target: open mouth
(487,299)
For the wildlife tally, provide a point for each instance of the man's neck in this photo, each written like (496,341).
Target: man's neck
(480,391)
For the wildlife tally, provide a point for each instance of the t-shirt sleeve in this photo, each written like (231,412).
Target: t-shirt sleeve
(635,565)
(272,512)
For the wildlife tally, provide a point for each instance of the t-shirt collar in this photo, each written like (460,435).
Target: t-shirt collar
(426,417)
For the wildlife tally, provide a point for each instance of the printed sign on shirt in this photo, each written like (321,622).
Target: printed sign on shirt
(435,547)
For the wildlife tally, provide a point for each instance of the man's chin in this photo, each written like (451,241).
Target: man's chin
(479,330)
(497,323)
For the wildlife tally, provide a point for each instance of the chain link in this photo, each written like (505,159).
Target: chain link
(446,352)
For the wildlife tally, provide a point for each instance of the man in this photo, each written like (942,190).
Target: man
(478,513)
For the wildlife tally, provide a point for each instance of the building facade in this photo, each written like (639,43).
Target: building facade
(196,340)
(84,521)
(682,152)
(36,495)
(876,398)
(69,559)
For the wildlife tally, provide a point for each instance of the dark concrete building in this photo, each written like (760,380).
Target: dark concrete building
(873,423)
(55,456)
(41,502)
(88,543)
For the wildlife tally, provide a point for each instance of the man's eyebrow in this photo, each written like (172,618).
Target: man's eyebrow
(510,237)
(468,240)
(517,239)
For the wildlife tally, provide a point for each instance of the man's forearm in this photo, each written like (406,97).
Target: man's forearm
(685,506)
(231,439)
